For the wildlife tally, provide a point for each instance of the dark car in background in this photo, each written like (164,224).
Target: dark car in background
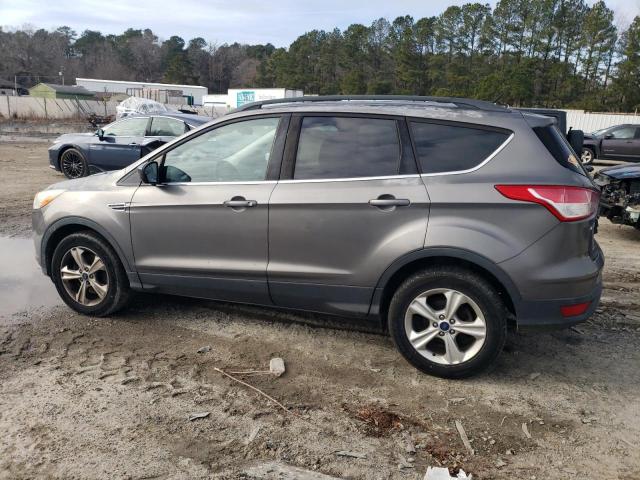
(620,142)
(118,144)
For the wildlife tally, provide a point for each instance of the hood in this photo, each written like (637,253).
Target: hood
(99,181)
(621,172)
(70,137)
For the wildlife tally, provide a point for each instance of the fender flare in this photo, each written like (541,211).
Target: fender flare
(85,222)
(445,252)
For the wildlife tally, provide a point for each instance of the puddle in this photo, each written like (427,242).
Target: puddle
(22,285)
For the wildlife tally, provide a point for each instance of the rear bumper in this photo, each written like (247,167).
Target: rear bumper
(547,314)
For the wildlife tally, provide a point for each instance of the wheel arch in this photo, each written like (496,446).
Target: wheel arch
(407,265)
(69,225)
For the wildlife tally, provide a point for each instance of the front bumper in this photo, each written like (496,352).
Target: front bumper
(53,158)
(38,228)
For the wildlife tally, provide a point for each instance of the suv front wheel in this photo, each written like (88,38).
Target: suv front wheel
(448,322)
(88,275)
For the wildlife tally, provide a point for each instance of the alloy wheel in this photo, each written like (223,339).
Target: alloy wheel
(72,164)
(84,276)
(587,156)
(445,326)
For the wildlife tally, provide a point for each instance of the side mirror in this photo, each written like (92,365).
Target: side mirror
(149,173)
(588,168)
(576,139)
(608,136)
(100,133)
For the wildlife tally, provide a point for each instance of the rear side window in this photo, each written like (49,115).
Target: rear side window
(448,148)
(346,147)
(559,147)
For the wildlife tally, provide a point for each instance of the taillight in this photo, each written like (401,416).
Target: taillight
(567,203)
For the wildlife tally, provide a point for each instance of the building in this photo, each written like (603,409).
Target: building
(52,90)
(160,92)
(236,97)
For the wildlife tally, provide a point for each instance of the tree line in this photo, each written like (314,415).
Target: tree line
(544,53)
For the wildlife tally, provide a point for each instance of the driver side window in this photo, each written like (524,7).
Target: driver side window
(236,152)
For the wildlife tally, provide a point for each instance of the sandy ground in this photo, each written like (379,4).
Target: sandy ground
(111,398)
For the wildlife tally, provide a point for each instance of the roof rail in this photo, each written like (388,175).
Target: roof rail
(464,103)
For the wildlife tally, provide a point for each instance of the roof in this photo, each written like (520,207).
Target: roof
(195,120)
(441,102)
(68,89)
(429,109)
(141,84)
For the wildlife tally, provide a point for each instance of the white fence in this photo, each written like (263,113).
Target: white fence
(52,108)
(590,122)
(59,109)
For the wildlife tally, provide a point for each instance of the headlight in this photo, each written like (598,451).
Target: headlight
(45,197)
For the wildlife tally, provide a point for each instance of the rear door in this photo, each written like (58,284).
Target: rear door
(620,142)
(121,144)
(348,204)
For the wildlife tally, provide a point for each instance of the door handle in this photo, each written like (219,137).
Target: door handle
(240,203)
(390,202)
(133,144)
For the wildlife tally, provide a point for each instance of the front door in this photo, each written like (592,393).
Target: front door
(121,144)
(352,204)
(203,231)
(620,143)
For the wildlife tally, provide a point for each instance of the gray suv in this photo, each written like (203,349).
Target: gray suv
(443,219)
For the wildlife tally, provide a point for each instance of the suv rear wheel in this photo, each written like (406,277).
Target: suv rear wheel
(448,322)
(89,276)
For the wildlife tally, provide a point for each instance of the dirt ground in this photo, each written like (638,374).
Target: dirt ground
(111,398)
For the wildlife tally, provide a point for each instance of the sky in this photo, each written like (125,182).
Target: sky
(225,21)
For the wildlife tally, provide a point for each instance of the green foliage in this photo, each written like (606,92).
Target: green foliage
(545,53)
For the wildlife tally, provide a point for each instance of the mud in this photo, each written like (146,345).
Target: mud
(111,398)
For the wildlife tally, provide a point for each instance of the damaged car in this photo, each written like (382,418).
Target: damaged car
(620,197)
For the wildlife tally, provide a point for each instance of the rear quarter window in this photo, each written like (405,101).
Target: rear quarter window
(558,146)
(449,148)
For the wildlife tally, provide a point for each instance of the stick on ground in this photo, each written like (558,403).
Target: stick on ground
(255,389)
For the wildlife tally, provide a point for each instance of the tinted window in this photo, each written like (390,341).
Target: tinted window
(341,147)
(129,127)
(558,146)
(447,148)
(236,152)
(166,127)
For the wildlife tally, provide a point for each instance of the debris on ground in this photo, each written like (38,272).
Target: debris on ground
(379,422)
(345,453)
(440,473)
(205,349)
(196,416)
(525,430)
(534,375)
(500,463)
(463,436)
(281,471)
(276,366)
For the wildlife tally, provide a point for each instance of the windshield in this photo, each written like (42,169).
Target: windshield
(601,132)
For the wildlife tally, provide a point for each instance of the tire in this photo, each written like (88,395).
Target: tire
(435,289)
(587,156)
(106,287)
(73,164)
